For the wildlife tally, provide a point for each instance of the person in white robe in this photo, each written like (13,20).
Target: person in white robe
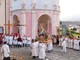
(3,40)
(15,42)
(33,49)
(20,42)
(50,46)
(71,43)
(59,41)
(64,45)
(7,38)
(24,40)
(10,40)
(66,39)
(29,41)
(76,44)
(37,48)
(42,53)
(5,51)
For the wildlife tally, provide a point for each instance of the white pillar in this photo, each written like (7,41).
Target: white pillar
(54,29)
(34,25)
(23,20)
(23,23)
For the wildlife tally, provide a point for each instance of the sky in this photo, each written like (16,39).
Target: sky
(69,8)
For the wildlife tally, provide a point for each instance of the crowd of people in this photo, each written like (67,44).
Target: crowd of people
(40,45)
(17,41)
(39,48)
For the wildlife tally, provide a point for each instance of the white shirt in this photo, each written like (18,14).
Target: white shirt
(5,50)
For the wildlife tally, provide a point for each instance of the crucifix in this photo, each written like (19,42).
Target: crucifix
(8,25)
(21,28)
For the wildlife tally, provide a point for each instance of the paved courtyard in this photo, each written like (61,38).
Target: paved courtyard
(56,54)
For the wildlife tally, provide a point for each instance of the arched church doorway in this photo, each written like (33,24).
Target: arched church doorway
(44,24)
(16,23)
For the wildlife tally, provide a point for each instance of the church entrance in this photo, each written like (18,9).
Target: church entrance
(44,24)
(16,23)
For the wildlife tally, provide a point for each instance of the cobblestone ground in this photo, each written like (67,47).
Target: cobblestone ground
(56,54)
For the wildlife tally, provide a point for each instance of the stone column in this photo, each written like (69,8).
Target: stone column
(23,23)
(34,21)
(34,25)
(54,29)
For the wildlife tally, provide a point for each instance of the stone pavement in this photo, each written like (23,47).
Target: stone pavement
(55,55)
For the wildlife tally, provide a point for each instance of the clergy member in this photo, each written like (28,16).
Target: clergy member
(37,48)
(42,53)
(33,49)
(5,51)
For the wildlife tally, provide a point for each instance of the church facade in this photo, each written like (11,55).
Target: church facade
(30,17)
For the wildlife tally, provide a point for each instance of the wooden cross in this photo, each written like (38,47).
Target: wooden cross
(8,26)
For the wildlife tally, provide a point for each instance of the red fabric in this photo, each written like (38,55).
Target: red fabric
(19,39)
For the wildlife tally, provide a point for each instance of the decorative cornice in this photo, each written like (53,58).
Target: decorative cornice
(32,9)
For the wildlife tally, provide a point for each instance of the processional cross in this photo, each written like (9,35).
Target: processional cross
(8,25)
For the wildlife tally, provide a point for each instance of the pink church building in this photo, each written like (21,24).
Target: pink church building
(29,16)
